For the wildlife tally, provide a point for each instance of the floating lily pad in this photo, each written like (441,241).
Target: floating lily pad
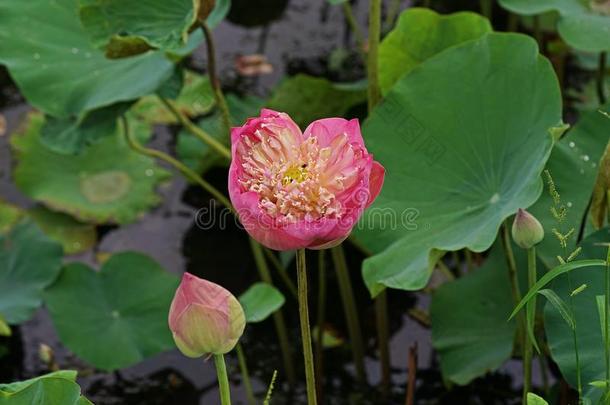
(74,235)
(59,387)
(108,182)
(260,301)
(9,216)
(116,317)
(307,98)
(459,159)
(56,67)
(573,165)
(29,262)
(472,336)
(198,155)
(583,24)
(196,98)
(421,33)
(588,331)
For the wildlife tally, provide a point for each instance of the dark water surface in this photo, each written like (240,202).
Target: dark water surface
(301,38)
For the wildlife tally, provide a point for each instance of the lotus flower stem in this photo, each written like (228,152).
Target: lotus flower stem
(278,317)
(220,99)
(353,24)
(282,272)
(351,311)
(206,138)
(601,78)
(528,350)
(305,328)
(243,367)
(374,91)
(320,319)
(183,169)
(223,379)
(607,324)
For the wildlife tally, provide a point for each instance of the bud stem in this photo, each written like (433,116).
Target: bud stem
(305,328)
(223,379)
(528,350)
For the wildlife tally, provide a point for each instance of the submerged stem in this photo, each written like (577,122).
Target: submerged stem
(351,310)
(243,367)
(305,328)
(223,379)
(220,99)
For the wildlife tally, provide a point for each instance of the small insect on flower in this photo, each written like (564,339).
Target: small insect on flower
(295,190)
(205,318)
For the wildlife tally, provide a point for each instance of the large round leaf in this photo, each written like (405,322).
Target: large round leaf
(582,24)
(464,138)
(29,262)
(116,317)
(573,165)
(585,310)
(58,70)
(107,182)
(472,336)
(59,387)
(421,33)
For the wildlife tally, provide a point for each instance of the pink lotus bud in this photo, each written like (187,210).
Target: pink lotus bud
(205,318)
(296,190)
(527,231)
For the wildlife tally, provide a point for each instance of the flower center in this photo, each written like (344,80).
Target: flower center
(295,174)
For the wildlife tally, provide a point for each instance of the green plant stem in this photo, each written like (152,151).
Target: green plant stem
(607,324)
(281,271)
(206,138)
(223,379)
(220,99)
(243,367)
(445,270)
(601,78)
(353,24)
(528,350)
(469,261)
(278,317)
(514,281)
(305,328)
(183,169)
(374,91)
(392,13)
(351,311)
(381,311)
(486,9)
(320,319)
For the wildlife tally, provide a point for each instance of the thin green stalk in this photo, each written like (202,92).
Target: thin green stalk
(528,350)
(374,92)
(445,270)
(320,319)
(351,311)
(281,271)
(183,169)
(223,379)
(278,317)
(514,281)
(220,99)
(206,138)
(601,78)
(243,367)
(469,261)
(607,324)
(538,32)
(305,328)
(381,311)
(353,24)
(575,342)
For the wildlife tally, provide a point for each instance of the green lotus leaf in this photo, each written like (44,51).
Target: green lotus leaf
(260,301)
(57,68)
(306,98)
(75,236)
(573,165)
(421,33)
(29,262)
(9,216)
(583,24)
(195,98)
(108,182)
(472,336)
(584,307)
(115,317)
(59,387)
(198,155)
(459,158)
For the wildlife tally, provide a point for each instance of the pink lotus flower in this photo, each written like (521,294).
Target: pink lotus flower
(296,190)
(205,318)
